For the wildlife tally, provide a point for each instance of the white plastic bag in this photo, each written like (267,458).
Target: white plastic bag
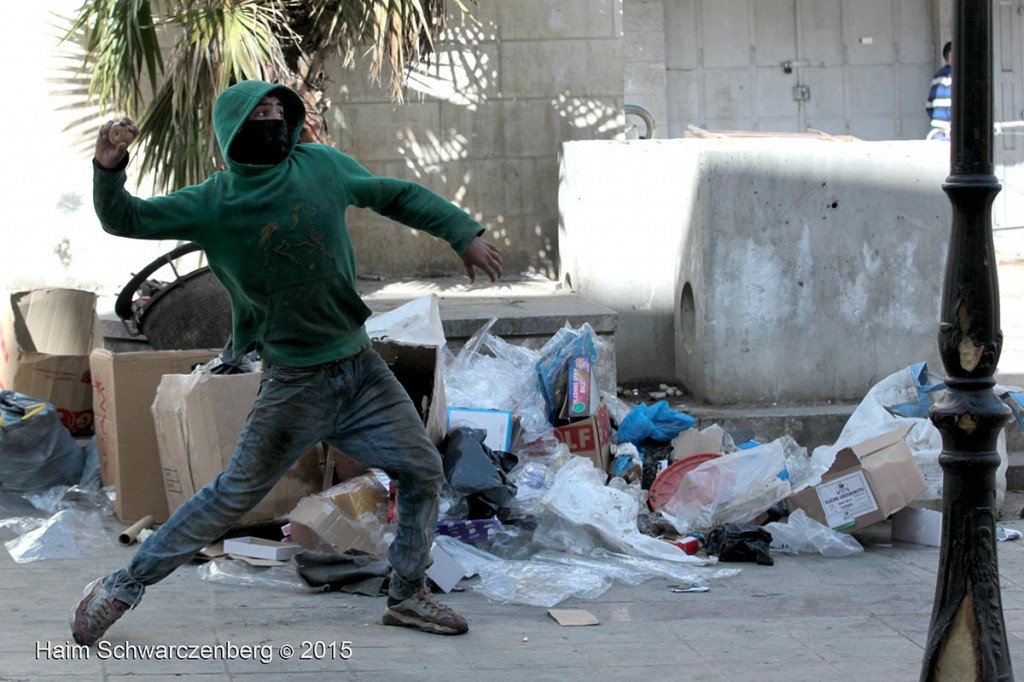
(803,534)
(417,322)
(580,496)
(902,399)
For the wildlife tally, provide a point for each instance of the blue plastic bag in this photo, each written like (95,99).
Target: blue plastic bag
(658,422)
(553,365)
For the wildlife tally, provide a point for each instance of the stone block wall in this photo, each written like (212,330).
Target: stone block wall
(483,126)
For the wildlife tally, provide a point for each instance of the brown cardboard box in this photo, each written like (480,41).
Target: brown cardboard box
(45,340)
(123,388)
(866,483)
(350,515)
(418,369)
(198,419)
(590,437)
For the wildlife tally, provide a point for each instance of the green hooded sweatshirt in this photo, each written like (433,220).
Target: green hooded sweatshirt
(275,235)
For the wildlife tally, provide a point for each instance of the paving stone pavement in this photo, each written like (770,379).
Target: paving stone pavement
(807,618)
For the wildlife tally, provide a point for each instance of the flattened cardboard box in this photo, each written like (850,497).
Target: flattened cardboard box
(198,419)
(866,483)
(123,388)
(45,340)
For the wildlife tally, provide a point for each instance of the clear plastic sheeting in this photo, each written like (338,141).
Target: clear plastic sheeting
(803,534)
(737,487)
(231,572)
(68,534)
(533,477)
(490,373)
(550,577)
(579,495)
(59,523)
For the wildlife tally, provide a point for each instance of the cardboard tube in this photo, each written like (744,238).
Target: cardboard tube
(132,532)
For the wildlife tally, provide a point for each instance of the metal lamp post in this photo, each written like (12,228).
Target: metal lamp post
(967,636)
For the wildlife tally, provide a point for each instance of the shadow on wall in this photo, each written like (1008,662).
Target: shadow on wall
(491,153)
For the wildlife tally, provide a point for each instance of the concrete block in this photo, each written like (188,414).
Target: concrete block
(542,19)
(787,271)
(476,132)
(684,105)
(547,68)
(385,132)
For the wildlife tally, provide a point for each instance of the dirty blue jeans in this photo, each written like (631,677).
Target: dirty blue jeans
(355,404)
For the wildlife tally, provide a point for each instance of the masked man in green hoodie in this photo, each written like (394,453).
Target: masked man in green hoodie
(273,229)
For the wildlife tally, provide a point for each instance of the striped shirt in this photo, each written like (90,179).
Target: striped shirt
(940,98)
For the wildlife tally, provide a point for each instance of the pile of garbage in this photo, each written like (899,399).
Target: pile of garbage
(555,486)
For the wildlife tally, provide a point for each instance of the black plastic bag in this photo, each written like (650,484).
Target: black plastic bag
(353,571)
(477,473)
(740,542)
(36,450)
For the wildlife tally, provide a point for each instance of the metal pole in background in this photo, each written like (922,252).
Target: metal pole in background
(967,635)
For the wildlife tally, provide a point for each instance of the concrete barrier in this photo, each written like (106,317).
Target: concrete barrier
(760,270)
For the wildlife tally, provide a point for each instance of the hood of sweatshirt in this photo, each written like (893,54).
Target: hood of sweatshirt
(234,105)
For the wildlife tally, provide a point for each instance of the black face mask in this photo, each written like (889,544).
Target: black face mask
(261,142)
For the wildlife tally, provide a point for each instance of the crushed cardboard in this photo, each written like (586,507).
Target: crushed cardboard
(46,336)
(199,418)
(123,388)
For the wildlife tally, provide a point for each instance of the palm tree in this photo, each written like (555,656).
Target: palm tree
(165,62)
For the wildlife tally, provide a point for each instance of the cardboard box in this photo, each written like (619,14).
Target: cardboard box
(123,388)
(444,570)
(581,397)
(590,437)
(866,483)
(198,419)
(45,340)
(697,442)
(919,526)
(260,548)
(349,516)
(418,369)
(497,424)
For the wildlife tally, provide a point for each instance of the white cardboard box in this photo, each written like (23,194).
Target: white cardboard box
(261,548)
(446,572)
(919,526)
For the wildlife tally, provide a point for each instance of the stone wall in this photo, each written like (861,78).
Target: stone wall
(484,126)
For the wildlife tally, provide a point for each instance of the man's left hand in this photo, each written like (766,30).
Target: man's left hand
(484,255)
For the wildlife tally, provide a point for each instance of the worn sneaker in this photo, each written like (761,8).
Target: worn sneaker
(97,611)
(422,611)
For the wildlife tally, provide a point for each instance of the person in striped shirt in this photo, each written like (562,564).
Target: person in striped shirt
(940,97)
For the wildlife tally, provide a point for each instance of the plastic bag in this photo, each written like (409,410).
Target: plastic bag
(657,422)
(733,488)
(476,472)
(554,360)
(232,572)
(740,542)
(38,452)
(903,399)
(417,322)
(580,496)
(803,534)
(490,373)
(68,534)
(533,477)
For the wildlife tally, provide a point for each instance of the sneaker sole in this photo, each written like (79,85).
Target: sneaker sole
(401,620)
